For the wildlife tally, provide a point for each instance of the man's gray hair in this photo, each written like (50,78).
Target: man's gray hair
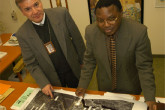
(19,1)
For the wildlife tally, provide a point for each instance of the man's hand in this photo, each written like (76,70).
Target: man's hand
(48,90)
(151,105)
(80,92)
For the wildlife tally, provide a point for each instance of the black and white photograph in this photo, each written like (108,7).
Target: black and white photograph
(68,102)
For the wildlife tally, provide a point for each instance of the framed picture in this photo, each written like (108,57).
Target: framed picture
(132,9)
(159,3)
(58,3)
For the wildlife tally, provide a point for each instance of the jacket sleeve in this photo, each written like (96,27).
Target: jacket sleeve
(31,62)
(89,63)
(144,62)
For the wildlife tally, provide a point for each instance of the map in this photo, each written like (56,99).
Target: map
(68,102)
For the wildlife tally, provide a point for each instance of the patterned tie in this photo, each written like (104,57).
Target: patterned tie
(113,61)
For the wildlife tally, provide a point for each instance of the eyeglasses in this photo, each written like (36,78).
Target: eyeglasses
(109,20)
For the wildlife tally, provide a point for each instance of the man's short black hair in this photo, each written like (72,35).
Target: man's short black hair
(107,3)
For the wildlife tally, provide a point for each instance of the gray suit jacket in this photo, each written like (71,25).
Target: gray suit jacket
(35,55)
(134,60)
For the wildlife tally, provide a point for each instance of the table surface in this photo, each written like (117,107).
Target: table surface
(13,52)
(20,88)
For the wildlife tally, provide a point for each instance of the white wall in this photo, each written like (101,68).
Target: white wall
(7,6)
(154,19)
(80,13)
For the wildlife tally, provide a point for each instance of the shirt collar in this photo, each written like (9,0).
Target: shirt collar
(41,23)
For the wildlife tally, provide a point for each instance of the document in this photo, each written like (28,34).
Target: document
(20,103)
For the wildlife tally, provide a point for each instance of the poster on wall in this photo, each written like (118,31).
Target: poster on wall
(132,9)
(159,3)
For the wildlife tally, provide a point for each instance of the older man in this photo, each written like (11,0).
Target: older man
(51,44)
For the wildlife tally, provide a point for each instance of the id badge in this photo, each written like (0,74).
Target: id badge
(50,47)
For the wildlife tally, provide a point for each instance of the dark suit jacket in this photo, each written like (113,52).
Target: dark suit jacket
(134,60)
(35,55)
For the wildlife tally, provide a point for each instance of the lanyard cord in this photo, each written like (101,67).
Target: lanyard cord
(49,30)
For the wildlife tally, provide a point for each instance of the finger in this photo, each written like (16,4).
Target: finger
(150,107)
(51,88)
(154,107)
(79,93)
(51,95)
(44,91)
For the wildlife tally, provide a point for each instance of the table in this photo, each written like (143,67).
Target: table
(20,87)
(13,52)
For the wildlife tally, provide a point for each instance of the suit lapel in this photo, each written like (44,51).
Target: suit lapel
(57,28)
(123,42)
(102,49)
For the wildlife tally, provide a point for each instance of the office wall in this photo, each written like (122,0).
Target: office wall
(77,8)
(154,19)
(7,6)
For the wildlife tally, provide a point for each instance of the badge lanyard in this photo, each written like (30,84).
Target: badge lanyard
(49,45)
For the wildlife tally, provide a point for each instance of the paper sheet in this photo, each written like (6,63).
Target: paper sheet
(158,99)
(6,94)
(112,96)
(10,44)
(4,88)
(2,54)
(23,99)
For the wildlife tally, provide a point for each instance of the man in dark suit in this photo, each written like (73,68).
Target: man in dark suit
(51,44)
(130,70)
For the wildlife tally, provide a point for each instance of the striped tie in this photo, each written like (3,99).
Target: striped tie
(113,61)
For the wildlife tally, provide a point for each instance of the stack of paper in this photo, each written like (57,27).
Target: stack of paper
(5,90)
(2,54)
(12,41)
